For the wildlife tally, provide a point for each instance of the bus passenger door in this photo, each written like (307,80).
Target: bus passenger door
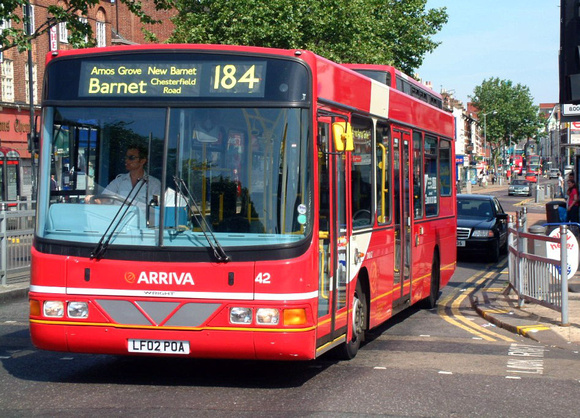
(402,218)
(332,239)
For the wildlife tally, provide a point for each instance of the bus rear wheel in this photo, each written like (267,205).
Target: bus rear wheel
(430,301)
(349,349)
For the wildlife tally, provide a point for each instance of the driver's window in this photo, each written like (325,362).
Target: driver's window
(361,172)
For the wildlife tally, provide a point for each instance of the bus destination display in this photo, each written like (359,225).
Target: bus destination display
(163,79)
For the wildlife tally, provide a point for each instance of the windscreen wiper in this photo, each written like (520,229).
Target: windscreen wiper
(218,250)
(102,245)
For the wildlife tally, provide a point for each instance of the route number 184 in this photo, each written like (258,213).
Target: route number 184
(225,77)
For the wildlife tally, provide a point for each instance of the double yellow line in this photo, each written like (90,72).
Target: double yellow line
(453,301)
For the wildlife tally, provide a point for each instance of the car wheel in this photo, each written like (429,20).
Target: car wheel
(494,252)
(504,248)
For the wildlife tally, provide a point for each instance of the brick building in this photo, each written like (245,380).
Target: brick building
(112,24)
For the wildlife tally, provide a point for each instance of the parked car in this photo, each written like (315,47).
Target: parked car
(481,226)
(519,188)
(568,169)
(553,173)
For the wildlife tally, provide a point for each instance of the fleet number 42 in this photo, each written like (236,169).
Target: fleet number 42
(263,278)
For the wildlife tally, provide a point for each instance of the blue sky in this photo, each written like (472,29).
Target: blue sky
(515,40)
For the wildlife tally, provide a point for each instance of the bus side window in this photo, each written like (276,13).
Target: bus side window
(431,181)
(418,174)
(383,174)
(361,172)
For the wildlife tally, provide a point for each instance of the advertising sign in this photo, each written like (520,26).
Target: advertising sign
(553,251)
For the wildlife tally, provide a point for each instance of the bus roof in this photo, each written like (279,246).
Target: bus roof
(333,83)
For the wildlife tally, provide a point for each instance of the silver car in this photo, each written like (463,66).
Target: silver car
(519,188)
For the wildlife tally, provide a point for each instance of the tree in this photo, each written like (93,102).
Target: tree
(510,113)
(366,31)
(15,34)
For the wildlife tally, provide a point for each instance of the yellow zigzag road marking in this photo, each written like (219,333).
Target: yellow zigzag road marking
(454,300)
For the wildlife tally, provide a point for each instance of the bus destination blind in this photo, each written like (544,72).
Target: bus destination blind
(163,79)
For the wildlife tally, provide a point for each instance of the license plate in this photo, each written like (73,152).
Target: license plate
(158,346)
(461,243)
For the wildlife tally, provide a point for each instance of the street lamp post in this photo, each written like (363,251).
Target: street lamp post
(494,112)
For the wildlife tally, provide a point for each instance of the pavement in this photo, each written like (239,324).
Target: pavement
(493,300)
(498,304)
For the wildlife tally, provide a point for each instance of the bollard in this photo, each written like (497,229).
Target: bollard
(535,246)
(564,273)
(520,267)
(539,194)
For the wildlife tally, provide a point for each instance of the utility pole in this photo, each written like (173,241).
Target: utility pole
(32,133)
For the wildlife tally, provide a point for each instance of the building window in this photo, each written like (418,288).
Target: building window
(34,84)
(101,29)
(7,80)
(84,20)
(32,22)
(5,24)
(62,33)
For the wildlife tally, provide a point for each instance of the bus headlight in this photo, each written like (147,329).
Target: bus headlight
(240,315)
(78,310)
(53,308)
(267,316)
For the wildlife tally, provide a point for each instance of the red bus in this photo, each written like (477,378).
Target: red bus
(518,164)
(302,204)
(394,78)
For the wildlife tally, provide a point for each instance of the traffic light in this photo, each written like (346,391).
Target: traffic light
(569,52)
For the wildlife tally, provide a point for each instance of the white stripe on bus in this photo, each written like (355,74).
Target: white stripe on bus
(174,294)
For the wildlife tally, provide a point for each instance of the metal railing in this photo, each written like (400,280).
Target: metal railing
(534,277)
(16,233)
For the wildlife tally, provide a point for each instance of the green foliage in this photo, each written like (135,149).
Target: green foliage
(366,31)
(80,34)
(511,114)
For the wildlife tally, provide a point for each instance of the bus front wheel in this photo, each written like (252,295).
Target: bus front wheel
(349,349)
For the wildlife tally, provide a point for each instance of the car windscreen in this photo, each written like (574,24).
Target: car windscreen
(471,208)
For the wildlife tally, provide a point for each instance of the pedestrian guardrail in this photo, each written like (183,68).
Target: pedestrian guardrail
(16,233)
(534,277)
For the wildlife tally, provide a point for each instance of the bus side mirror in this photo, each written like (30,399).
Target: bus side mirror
(342,133)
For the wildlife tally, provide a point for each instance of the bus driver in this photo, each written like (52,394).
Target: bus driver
(123,184)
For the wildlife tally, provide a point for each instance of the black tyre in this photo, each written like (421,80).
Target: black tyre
(430,301)
(494,252)
(359,322)
(504,248)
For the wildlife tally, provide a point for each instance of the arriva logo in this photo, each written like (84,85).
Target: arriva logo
(161,277)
